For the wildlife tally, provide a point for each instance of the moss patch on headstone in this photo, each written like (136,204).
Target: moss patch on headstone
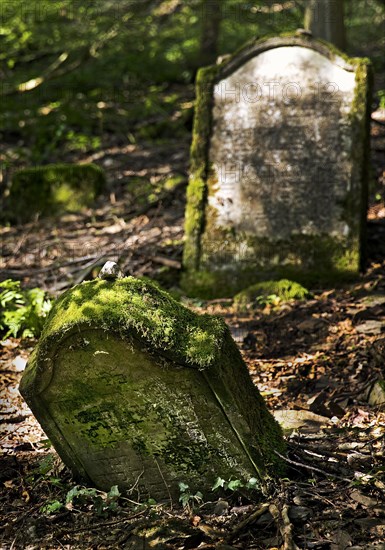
(128,383)
(53,189)
(260,294)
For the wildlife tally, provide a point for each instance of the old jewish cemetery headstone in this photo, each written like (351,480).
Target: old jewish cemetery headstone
(278,166)
(135,390)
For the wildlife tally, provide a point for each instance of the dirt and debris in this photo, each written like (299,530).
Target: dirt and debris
(316,363)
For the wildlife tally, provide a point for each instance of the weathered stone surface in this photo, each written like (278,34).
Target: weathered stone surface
(136,390)
(279,153)
(53,189)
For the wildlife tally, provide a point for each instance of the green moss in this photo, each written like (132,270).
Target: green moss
(131,304)
(256,46)
(208,284)
(110,378)
(223,273)
(284,290)
(360,120)
(197,189)
(226,284)
(194,219)
(53,189)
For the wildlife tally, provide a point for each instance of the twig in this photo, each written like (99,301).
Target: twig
(174,264)
(312,468)
(101,525)
(129,492)
(251,518)
(285,526)
(165,483)
(321,453)
(14,419)
(379,122)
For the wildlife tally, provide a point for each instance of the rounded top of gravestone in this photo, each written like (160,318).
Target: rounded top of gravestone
(110,271)
(300,38)
(132,309)
(304,32)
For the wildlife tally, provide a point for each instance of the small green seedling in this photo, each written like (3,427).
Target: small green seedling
(187,499)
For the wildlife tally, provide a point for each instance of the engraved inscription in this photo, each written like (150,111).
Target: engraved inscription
(281,145)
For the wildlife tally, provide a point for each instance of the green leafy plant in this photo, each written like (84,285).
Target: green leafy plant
(187,498)
(51,507)
(22,312)
(46,470)
(99,501)
(269,293)
(234,484)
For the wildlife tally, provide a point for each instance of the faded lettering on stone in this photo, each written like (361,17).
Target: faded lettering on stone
(280,146)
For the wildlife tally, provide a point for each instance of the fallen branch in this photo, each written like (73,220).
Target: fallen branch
(284,524)
(249,520)
(101,525)
(311,468)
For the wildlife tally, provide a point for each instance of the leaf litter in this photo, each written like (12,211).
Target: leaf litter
(315,362)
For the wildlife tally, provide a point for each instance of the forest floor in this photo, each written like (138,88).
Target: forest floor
(315,362)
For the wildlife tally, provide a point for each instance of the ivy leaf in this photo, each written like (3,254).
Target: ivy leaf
(219,483)
(113,493)
(183,487)
(234,484)
(51,507)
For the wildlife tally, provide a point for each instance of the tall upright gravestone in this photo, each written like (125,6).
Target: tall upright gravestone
(135,390)
(278,184)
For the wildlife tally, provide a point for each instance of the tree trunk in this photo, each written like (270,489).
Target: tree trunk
(211,14)
(325,19)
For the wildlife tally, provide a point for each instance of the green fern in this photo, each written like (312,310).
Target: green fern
(22,312)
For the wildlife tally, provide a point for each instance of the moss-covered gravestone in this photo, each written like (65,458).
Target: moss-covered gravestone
(53,189)
(136,390)
(278,166)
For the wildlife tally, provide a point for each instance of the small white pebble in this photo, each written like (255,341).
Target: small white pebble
(110,271)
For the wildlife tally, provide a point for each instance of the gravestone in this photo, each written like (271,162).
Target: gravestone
(135,390)
(278,182)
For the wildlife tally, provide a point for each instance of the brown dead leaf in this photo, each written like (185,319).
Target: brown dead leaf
(195,520)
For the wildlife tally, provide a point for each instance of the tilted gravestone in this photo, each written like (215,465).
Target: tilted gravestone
(278,166)
(134,389)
